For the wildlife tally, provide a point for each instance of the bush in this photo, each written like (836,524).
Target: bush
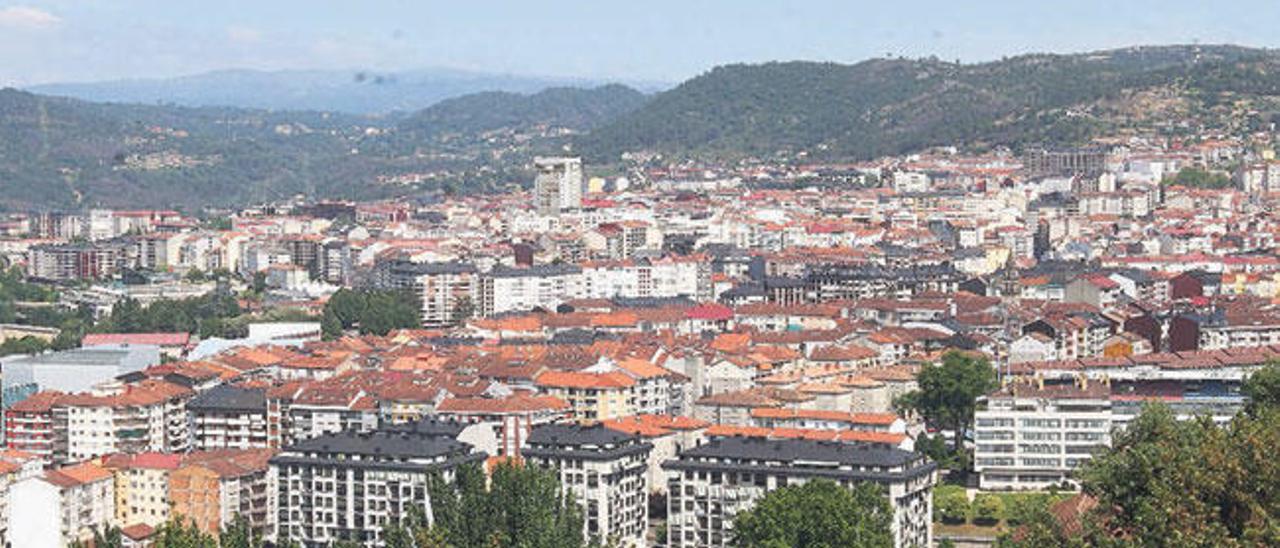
(952,507)
(987,509)
(1023,509)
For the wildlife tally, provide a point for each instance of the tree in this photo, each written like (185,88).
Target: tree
(1195,177)
(239,534)
(819,513)
(987,509)
(24,345)
(952,506)
(347,305)
(1037,526)
(1263,387)
(1167,482)
(949,392)
(70,333)
(463,309)
(330,326)
(523,506)
(259,283)
(182,533)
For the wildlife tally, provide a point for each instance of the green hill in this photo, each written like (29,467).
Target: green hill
(66,153)
(888,106)
(569,108)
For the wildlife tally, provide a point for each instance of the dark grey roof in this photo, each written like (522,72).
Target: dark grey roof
(652,302)
(571,435)
(407,268)
(824,272)
(792,450)
(573,441)
(230,398)
(535,271)
(430,426)
(804,458)
(389,444)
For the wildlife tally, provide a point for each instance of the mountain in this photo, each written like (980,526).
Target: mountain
(57,152)
(342,91)
(65,153)
(569,108)
(891,106)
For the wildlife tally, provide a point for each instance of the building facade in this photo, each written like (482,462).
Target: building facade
(710,484)
(1034,436)
(605,471)
(349,485)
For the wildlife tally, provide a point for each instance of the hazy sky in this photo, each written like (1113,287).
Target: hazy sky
(80,40)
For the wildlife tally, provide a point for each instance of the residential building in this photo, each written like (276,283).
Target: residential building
(591,396)
(522,289)
(213,488)
(712,483)
(228,417)
(558,185)
(349,485)
(62,506)
(605,472)
(1031,436)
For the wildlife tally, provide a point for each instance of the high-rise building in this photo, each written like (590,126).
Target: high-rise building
(558,185)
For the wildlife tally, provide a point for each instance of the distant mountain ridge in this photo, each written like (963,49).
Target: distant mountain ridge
(57,152)
(354,91)
(571,108)
(891,106)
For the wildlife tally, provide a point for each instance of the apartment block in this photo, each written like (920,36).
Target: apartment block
(710,484)
(228,417)
(349,485)
(1031,436)
(605,470)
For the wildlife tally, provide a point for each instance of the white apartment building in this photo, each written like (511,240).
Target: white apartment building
(228,417)
(605,471)
(711,483)
(1032,436)
(318,480)
(523,289)
(558,185)
(147,417)
(441,287)
(670,277)
(62,506)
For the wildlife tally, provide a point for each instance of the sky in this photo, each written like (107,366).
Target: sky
(646,40)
